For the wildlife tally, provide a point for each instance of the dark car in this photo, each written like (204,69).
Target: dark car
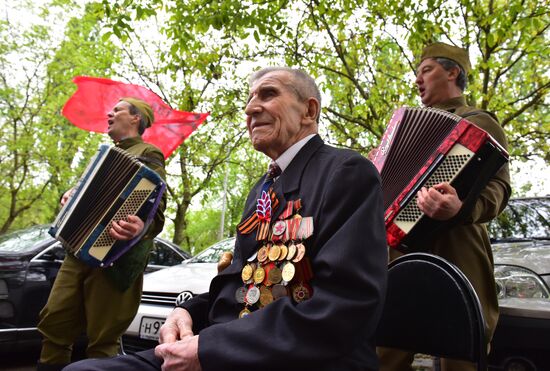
(521,249)
(29,261)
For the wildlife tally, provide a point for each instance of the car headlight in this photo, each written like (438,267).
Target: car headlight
(518,282)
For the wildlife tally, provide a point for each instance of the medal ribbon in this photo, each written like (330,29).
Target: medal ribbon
(289,208)
(306,228)
(253,221)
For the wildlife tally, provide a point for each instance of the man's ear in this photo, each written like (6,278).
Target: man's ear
(136,119)
(453,73)
(312,111)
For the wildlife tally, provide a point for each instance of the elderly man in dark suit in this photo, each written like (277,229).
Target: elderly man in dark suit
(306,285)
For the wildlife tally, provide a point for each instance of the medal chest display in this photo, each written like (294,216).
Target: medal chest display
(280,267)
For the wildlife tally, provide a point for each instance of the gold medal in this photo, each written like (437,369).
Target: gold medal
(275,275)
(291,251)
(274,252)
(243,313)
(284,252)
(300,251)
(262,254)
(288,271)
(259,275)
(265,296)
(246,273)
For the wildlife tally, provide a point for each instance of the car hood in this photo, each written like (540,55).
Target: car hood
(194,277)
(534,255)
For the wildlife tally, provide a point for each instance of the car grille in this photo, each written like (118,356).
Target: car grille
(159,298)
(133,344)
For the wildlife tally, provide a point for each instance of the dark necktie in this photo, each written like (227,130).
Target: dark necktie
(272,172)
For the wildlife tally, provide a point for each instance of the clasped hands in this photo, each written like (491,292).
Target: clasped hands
(179,347)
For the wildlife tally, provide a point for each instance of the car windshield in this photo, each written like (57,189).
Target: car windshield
(213,253)
(522,219)
(23,240)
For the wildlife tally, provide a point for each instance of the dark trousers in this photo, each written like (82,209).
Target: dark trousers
(142,361)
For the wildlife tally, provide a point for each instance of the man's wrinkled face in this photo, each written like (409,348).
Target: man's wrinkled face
(275,114)
(121,122)
(432,81)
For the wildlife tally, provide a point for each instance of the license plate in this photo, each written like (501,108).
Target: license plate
(149,327)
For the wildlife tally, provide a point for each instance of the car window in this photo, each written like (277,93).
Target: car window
(23,240)
(522,219)
(212,254)
(162,254)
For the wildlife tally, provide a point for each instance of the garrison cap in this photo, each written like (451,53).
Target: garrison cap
(143,107)
(454,53)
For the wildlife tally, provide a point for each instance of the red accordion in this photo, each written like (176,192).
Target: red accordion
(422,147)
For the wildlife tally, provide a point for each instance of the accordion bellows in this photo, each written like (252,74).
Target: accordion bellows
(422,147)
(114,185)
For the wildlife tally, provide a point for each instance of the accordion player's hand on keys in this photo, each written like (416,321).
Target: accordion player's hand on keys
(124,230)
(439,202)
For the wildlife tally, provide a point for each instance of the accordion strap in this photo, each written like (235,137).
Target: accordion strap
(149,160)
(477,112)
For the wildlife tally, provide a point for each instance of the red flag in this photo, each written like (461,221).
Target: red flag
(87,108)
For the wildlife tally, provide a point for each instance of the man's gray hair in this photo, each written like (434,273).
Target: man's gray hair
(303,85)
(447,64)
(142,120)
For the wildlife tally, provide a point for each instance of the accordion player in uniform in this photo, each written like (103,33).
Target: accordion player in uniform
(441,79)
(103,301)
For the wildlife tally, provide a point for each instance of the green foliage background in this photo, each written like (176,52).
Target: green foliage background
(197,55)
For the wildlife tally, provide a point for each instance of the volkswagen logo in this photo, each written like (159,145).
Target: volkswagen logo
(183,297)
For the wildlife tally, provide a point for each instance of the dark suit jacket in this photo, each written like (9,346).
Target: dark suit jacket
(333,330)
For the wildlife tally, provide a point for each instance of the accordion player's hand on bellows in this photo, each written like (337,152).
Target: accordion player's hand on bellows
(439,202)
(66,196)
(127,229)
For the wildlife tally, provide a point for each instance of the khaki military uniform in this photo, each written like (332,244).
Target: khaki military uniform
(101,302)
(467,243)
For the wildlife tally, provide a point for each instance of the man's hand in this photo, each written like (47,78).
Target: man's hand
(178,326)
(372,153)
(182,355)
(440,202)
(66,196)
(125,230)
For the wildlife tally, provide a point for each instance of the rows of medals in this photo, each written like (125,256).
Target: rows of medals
(279,268)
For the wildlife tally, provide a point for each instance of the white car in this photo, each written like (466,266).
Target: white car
(521,249)
(164,288)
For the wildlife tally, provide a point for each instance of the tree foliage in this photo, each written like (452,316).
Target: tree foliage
(197,55)
(38,147)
